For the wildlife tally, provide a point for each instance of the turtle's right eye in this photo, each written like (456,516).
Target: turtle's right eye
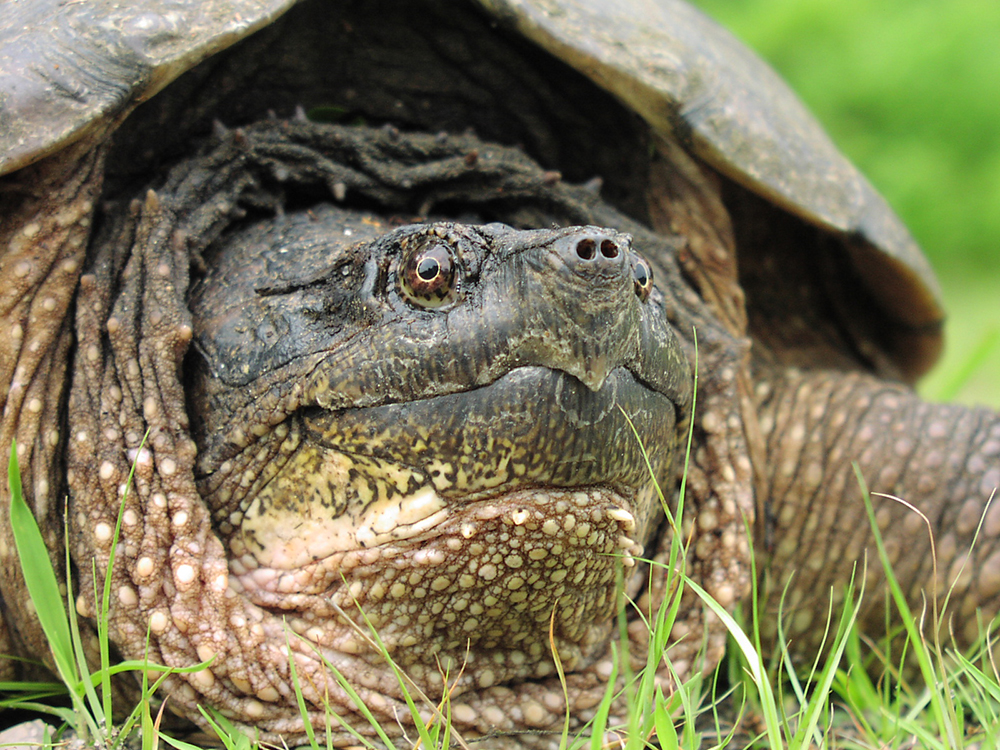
(642,275)
(428,277)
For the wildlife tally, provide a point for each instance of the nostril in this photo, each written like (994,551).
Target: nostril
(609,249)
(586,249)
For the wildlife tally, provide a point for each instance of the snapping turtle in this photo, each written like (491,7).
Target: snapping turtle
(413,378)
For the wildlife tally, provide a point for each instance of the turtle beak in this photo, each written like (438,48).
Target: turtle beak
(593,268)
(575,303)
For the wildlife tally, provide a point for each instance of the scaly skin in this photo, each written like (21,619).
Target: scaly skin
(46,214)
(942,459)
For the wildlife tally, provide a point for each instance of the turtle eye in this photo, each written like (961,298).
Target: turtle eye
(642,275)
(428,276)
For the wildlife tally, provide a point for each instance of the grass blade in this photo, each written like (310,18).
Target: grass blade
(39,575)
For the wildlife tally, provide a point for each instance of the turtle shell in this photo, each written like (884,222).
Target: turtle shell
(69,69)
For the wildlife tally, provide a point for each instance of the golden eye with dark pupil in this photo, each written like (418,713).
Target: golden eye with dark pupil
(428,277)
(642,274)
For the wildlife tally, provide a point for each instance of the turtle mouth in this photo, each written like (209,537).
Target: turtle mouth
(366,477)
(463,519)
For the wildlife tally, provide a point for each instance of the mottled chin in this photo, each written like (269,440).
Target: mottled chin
(475,584)
(461,528)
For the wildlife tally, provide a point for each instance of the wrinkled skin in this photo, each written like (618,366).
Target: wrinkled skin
(341,436)
(287,375)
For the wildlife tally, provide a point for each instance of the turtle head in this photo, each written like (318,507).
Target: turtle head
(444,425)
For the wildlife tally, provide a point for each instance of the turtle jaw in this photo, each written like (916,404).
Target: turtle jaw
(354,479)
(463,521)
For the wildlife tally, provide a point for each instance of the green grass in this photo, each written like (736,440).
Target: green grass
(89,714)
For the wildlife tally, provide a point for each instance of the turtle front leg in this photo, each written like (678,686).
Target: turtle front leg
(45,219)
(943,459)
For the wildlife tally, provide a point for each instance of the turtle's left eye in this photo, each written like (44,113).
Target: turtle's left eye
(642,275)
(428,276)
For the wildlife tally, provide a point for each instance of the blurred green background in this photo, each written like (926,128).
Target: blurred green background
(910,90)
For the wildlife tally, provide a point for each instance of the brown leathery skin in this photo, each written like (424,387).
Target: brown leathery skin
(685,200)
(940,458)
